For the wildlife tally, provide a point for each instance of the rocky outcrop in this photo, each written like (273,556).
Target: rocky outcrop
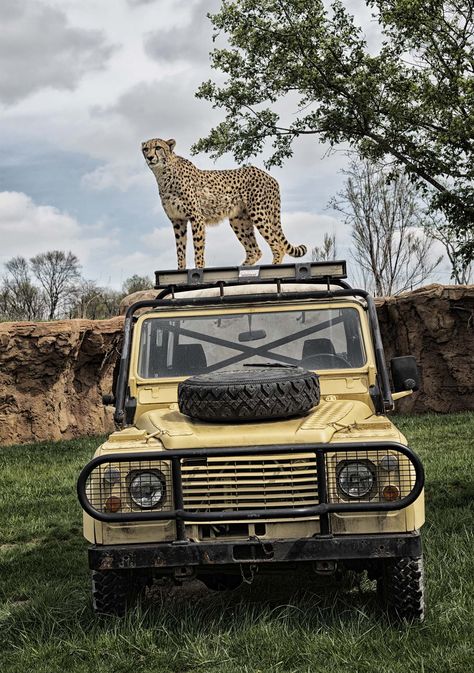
(436,325)
(52,375)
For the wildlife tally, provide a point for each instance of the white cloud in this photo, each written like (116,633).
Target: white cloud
(113,176)
(39,49)
(189,42)
(164,108)
(27,229)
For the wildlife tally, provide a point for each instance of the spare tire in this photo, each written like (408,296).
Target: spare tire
(255,393)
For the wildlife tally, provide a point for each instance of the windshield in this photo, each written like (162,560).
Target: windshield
(313,339)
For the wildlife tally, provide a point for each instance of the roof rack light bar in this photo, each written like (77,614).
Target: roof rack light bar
(252,274)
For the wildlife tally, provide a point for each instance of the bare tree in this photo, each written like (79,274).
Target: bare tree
(57,272)
(327,251)
(390,248)
(136,283)
(94,302)
(21,299)
(461,268)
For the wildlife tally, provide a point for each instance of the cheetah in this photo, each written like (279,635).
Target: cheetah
(247,196)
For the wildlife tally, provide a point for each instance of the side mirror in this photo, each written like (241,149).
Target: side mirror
(405,375)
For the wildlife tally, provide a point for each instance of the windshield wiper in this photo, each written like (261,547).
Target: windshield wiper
(268,364)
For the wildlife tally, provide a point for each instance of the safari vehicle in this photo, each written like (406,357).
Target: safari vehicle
(252,437)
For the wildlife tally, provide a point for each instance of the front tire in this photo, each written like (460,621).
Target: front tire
(113,591)
(402,588)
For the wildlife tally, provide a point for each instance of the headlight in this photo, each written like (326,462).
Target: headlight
(356,479)
(111,475)
(147,489)
(389,463)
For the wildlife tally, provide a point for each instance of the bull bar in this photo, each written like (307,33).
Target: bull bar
(322,509)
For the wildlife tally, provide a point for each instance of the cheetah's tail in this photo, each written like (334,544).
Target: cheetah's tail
(295,250)
(292,250)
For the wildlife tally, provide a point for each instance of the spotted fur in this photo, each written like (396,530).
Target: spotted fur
(247,196)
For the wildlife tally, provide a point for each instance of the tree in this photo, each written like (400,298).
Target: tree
(410,101)
(461,268)
(94,302)
(391,250)
(136,283)
(327,251)
(21,299)
(57,272)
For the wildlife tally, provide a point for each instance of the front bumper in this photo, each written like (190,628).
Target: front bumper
(165,556)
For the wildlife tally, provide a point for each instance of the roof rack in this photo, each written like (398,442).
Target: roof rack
(239,275)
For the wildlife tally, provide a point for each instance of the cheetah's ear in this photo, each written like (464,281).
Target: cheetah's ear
(171,142)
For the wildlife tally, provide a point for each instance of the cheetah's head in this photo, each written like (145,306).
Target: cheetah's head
(158,152)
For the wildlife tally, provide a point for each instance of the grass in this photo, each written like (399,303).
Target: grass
(284,626)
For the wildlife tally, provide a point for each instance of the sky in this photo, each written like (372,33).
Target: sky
(82,84)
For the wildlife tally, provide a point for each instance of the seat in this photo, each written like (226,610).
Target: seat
(157,363)
(189,359)
(317,347)
(320,354)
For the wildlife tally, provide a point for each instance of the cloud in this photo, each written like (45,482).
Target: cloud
(114,176)
(189,42)
(27,229)
(39,49)
(164,108)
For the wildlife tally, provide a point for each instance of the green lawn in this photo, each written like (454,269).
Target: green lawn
(46,622)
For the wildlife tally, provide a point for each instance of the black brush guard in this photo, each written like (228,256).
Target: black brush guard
(323,509)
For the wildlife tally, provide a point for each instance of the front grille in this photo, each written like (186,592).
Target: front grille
(249,482)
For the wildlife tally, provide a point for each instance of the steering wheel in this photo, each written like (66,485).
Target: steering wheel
(324,361)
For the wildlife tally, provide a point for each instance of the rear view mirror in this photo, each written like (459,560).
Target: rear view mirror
(405,374)
(252,336)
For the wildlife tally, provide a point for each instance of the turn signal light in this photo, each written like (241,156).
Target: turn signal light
(391,493)
(113,504)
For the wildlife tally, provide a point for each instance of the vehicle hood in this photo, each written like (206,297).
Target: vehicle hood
(347,419)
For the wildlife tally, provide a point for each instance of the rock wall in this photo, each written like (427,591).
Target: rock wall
(436,325)
(52,375)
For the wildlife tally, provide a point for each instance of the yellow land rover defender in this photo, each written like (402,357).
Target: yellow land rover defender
(252,436)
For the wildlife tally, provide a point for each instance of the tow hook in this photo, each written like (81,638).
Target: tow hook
(267,547)
(325,567)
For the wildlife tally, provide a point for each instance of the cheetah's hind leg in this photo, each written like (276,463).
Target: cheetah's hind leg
(244,231)
(274,241)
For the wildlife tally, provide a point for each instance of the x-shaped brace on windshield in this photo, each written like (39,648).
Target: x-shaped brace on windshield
(259,350)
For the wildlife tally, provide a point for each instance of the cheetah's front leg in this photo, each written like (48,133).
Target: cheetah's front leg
(180,233)
(199,240)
